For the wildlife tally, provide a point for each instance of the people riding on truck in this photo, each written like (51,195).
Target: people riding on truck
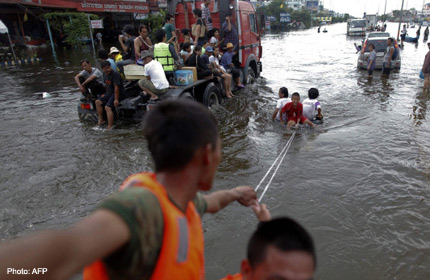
(206,15)
(169,20)
(155,81)
(127,44)
(230,32)
(142,42)
(194,60)
(90,80)
(227,63)
(199,28)
(165,53)
(115,92)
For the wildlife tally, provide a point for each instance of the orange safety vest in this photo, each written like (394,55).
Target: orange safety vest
(181,255)
(237,276)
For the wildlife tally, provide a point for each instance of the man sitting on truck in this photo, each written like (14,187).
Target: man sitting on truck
(155,81)
(90,80)
(227,63)
(165,53)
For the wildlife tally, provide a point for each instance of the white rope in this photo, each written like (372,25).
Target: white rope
(283,154)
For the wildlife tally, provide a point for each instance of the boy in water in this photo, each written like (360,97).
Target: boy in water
(294,112)
(311,106)
(283,99)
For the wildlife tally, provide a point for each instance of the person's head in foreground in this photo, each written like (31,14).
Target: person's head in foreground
(180,132)
(279,249)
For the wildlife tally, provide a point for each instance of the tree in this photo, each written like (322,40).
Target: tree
(73,25)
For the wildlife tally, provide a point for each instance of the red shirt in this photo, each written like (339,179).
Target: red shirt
(293,113)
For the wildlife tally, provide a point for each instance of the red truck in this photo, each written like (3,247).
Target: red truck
(245,18)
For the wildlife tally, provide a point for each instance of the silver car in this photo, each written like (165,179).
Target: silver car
(380,44)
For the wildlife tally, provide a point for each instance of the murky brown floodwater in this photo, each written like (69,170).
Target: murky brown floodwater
(360,183)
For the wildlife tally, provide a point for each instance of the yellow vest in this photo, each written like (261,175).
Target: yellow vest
(162,54)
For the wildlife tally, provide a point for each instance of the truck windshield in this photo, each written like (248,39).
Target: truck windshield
(358,23)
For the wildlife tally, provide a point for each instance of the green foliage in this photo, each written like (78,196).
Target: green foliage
(274,9)
(74,26)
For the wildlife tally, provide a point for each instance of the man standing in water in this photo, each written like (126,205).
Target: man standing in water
(152,228)
(386,65)
(426,70)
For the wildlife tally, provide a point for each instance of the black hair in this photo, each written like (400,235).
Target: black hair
(167,17)
(197,12)
(373,46)
(391,39)
(185,31)
(103,54)
(284,234)
(197,48)
(295,94)
(105,64)
(284,91)
(129,29)
(143,26)
(84,60)
(313,93)
(160,34)
(186,46)
(211,33)
(175,130)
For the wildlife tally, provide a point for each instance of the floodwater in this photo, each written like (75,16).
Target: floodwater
(359,183)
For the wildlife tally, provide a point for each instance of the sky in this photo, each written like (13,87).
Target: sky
(358,7)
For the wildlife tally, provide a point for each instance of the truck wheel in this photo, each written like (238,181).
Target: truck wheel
(186,95)
(211,96)
(250,76)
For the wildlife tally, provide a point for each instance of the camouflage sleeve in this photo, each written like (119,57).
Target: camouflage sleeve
(141,211)
(201,204)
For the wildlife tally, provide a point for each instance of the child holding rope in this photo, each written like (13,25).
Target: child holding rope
(294,112)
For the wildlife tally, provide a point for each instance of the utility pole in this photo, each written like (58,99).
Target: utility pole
(385,9)
(400,22)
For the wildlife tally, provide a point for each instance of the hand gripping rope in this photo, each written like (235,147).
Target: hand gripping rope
(280,157)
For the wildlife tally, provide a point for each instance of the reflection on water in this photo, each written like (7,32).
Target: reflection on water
(359,183)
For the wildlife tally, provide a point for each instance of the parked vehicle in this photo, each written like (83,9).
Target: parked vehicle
(246,21)
(378,34)
(380,44)
(356,27)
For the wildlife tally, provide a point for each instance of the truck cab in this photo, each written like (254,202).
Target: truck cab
(356,27)
(246,21)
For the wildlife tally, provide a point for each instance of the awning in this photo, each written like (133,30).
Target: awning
(3,28)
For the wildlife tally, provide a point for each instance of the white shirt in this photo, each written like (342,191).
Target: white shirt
(155,71)
(213,59)
(310,108)
(213,41)
(280,104)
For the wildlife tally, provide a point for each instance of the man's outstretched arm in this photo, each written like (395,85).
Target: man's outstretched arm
(64,252)
(220,199)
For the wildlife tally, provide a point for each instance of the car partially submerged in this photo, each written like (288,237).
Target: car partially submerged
(380,44)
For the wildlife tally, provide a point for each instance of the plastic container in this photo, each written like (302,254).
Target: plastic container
(184,77)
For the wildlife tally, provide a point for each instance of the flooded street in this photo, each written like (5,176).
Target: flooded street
(360,183)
